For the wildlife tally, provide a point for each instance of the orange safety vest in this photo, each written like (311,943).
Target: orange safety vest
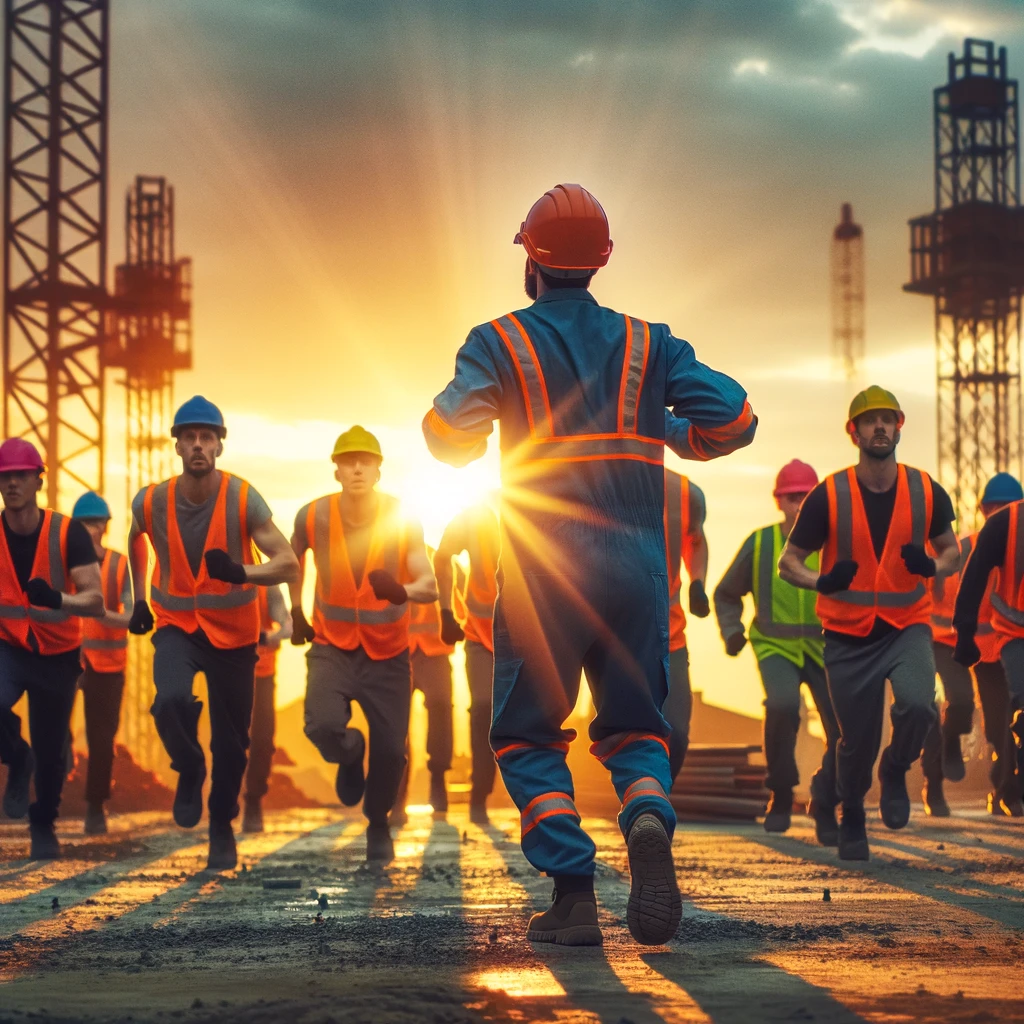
(227,613)
(882,588)
(266,663)
(677,534)
(425,630)
(1008,594)
(56,632)
(345,615)
(476,598)
(942,609)
(105,648)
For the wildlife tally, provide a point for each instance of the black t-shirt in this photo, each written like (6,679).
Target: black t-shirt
(22,547)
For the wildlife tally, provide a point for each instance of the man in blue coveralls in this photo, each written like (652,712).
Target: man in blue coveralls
(580,392)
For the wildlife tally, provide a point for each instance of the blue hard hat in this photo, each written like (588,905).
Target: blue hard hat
(90,506)
(198,412)
(1004,488)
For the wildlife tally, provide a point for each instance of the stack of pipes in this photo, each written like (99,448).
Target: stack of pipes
(720,782)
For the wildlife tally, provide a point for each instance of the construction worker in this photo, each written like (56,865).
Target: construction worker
(999,545)
(275,628)
(474,531)
(203,526)
(580,393)
(789,647)
(685,545)
(943,757)
(370,561)
(871,523)
(49,577)
(104,656)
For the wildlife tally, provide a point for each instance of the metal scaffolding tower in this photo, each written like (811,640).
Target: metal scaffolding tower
(969,254)
(847,263)
(149,332)
(55,234)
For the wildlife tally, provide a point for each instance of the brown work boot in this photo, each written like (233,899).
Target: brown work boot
(379,845)
(853,834)
(826,829)
(252,820)
(571,921)
(779,814)
(223,852)
(655,906)
(95,820)
(478,814)
(935,799)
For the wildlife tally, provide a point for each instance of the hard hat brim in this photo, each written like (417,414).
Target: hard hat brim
(22,467)
(220,431)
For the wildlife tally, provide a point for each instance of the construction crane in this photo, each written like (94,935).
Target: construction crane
(847,263)
(149,336)
(55,235)
(969,255)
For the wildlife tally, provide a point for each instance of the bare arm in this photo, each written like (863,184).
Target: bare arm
(278,614)
(947,554)
(793,570)
(281,566)
(695,555)
(117,620)
(452,544)
(87,600)
(295,586)
(138,559)
(423,588)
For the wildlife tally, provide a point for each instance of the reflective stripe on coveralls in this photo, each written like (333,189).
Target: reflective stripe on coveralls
(105,648)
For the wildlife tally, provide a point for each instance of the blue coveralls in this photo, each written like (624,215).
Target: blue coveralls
(580,392)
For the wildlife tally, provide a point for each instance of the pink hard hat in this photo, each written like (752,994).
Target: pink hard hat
(19,455)
(795,477)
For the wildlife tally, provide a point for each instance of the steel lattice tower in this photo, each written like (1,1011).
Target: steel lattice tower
(969,254)
(847,263)
(55,234)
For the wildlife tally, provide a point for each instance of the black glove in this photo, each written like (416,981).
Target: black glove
(142,619)
(302,631)
(41,594)
(917,560)
(839,577)
(451,631)
(699,604)
(386,587)
(262,642)
(220,566)
(966,650)
(735,643)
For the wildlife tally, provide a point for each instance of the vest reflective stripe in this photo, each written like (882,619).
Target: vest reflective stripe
(105,646)
(1007,598)
(767,587)
(208,602)
(369,616)
(92,644)
(638,344)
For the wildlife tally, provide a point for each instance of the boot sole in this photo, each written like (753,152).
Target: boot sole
(777,826)
(576,935)
(655,907)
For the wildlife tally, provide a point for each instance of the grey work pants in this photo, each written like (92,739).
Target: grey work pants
(958,717)
(856,683)
(678,708)
(432,676)
(1012,657)
(994,696)
(334,679)
(480,676)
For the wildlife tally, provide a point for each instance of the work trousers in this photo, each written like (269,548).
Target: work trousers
(678,708)
(480,676)
(1012,658)
(994,697)
(958,717)
(101,699)
(856,683)
(782,679)
(611,623)
(178,658)
(335,678)
(51,684)
(432,676)
(261,739)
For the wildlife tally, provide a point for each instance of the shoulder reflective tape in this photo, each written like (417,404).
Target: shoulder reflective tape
(844,516)
(320,513)
(918,506)
(767,548)
(233,515)
(158,502)
(634,365)
(531,377)
(58,526)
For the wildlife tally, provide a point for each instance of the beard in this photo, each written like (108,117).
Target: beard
(530,282)
(881,454)
(198,471)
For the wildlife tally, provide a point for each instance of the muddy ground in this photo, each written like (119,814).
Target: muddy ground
(128,928)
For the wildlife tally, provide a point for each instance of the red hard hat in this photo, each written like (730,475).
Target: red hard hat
(566,229)
(795,477)
(18,455)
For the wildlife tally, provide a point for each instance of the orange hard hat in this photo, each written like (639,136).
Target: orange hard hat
(566,229)
(795,477)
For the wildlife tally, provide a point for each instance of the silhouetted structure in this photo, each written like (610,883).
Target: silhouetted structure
(969,254)
(847,261)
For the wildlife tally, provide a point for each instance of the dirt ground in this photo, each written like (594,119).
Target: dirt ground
(128,928)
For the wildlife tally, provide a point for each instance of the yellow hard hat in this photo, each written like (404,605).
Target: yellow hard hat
(357,439)
(872,398)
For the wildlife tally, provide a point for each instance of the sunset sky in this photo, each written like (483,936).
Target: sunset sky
(349,177)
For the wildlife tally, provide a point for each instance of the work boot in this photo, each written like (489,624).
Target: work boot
(438,793)
(44,842)
(350,781)
(1008,806)
(223,852)
(19,775)
(478,814)
(188,799)
(825,827)
(894,803)
(95,820)
(655,906)
(953,767)
(399,817)
(571,921)
(934,799)
(853,834)
(252,820)
(779,815)
(379,845)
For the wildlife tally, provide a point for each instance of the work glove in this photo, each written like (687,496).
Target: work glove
(262,642)
(451,631)
(839,577)
(220,566)
(966,650)
(735,643)
(142,619)
(699,604)
(42,595)
(386,587)
(302,631)
(917,560)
